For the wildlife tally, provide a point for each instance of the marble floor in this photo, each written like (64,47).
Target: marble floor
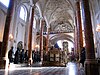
(70,69)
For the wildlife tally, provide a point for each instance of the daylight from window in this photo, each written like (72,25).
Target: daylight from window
(5,2)
(60,43)
(34,23)
(23,13)
(70,44)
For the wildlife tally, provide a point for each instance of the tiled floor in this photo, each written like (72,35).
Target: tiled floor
(71,69)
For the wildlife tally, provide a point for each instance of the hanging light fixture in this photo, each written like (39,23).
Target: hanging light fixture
(98,28)
(10,37)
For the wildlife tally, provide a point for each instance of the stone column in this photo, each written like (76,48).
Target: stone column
(47,40)
(91,66)
(76,42)
(79,28)
(30,37)
(4,51)
(75,37)
(41,39)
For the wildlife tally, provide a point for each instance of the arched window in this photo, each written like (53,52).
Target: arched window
(23,13)
(5,2)
(34,23)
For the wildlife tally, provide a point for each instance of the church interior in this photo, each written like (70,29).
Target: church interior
(41,37)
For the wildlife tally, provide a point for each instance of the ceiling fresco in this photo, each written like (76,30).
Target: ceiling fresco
(59,15)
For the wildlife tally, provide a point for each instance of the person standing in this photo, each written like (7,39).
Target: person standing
(22,56)
(83,56)
(26,56)
(17,56)
(10,55)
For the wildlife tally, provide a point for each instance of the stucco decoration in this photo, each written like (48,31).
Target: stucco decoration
(60,15)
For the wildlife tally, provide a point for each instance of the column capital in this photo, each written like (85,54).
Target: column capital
(33,5)
(41,18)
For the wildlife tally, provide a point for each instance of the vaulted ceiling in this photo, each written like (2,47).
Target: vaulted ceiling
(58,14)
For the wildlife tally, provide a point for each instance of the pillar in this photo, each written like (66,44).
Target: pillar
(79,28)
(30,37)
(76,42)
(4,51)
(75,37)
(41,39)
(47,40)
(91,66)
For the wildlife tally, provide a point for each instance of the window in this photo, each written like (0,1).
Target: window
(23,13)
(60,43)
(34,23)
(5,2)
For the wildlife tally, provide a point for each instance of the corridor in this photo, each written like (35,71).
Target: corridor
(70,69)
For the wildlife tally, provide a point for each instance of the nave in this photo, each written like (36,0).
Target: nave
(56,30)
(70,69)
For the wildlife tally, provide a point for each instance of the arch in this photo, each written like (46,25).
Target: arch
(39,9)
(38,39)
(20,25)
(57,37)
(24,5)
(63,38)
(44,41)
(36,17)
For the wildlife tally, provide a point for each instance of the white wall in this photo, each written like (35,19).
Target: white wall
(2,23)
